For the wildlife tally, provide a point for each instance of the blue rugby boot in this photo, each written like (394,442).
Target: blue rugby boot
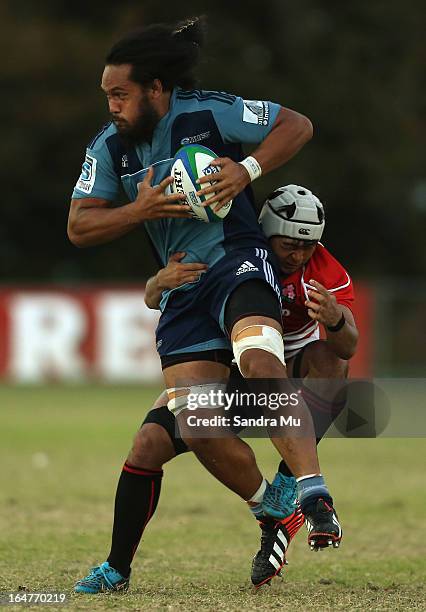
(280,498)
(102,578)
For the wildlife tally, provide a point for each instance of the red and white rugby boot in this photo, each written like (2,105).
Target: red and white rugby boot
(274,543)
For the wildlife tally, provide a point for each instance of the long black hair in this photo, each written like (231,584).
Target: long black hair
(166,52)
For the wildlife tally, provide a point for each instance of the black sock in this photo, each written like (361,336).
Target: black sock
(284,469)
(136,499)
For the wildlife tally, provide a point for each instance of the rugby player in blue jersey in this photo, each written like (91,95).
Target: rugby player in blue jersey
(233,310)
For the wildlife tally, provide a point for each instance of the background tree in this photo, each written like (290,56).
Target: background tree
(355,68)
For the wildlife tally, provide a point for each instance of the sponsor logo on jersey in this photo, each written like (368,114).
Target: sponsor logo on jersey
(88,175)
(247,266)
(124,162)
(289,293)
(194,139)
(159,343)
(256,111)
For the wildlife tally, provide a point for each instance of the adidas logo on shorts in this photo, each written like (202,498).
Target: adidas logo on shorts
(247,266)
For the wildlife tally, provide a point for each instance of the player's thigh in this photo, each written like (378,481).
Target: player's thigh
(195,354)
(192,373)
(253,302)
(253,318)
(193,389)
(297,365)
(317,360)
(187,332)
(192,376)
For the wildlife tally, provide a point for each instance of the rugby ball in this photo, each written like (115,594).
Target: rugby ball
(190,163)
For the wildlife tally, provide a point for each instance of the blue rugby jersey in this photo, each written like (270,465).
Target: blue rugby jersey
(217,120)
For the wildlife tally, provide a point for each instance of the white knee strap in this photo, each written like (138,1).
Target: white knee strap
(177,401)
(195,396)
(261,337)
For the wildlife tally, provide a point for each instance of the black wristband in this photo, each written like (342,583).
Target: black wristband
(338,326)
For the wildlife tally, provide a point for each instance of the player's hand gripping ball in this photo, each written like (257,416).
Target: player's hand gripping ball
(190,163)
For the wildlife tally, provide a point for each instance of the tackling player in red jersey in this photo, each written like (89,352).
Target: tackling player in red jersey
(323,274)
(315,286)
(316,289)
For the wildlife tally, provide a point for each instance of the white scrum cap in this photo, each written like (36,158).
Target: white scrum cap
(293,211)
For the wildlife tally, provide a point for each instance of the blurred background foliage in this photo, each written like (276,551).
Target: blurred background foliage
(356,69)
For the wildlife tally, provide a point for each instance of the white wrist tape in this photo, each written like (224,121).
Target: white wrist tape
(252,166)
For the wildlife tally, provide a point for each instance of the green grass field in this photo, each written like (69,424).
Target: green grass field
(61,450)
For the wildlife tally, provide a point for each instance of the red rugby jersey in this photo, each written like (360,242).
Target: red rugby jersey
(299,328)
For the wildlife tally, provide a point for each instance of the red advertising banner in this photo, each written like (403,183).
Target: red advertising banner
(105,334)
(77,334)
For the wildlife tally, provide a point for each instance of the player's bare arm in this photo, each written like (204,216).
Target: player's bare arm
(289,133)
(324,308)
(94,221)
(173,275)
